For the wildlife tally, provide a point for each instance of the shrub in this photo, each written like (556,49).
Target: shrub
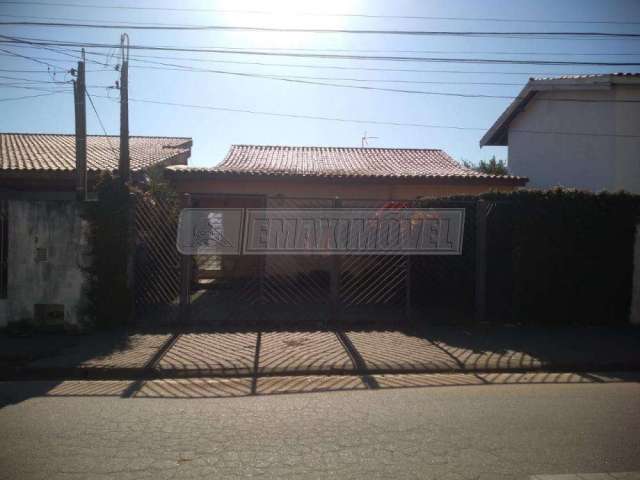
(553,257)
(108,295)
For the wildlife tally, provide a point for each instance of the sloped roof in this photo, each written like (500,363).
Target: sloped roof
(339,162)
(497,134)
(44,152)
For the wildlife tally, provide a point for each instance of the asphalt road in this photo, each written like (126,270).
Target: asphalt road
(476,432)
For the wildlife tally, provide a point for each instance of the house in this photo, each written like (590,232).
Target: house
(578,131)
(255,176)
(331,172)
(42,237)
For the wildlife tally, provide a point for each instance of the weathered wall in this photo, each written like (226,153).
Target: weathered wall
(56,227)
(606,161)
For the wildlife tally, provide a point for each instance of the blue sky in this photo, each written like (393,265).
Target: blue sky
(214,131)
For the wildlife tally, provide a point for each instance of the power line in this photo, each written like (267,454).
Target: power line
(316,14)
(480,52)
(104,130)
(30,81)
(246,28)
(28,87)
(33,59)
(345,79)
(393,90)
(329,56)
(11,99)
(360,121)
(303,77)
(9,70)
(381,89)
(322,67)
(306,66)
(335,67)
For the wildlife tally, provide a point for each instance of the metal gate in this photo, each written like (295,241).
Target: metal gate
(300,290)
(156,263)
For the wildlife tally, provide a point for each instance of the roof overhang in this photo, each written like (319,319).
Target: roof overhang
(498,134)
(180,173)
(58,180)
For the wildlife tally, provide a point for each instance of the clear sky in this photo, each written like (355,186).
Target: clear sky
(213,131)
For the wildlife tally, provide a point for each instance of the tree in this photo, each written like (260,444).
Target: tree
(491,166)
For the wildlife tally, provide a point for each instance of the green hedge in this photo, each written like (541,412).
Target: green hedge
(571,254)
(108,295)
(558,256)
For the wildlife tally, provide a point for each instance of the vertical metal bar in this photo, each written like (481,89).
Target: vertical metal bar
(4,245)
(261,269)
(185,274)
(131,251)
(335,279)
(481,260)
(408,265)
(407,299)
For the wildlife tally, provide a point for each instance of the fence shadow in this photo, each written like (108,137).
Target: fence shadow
(219,388)
(233,360)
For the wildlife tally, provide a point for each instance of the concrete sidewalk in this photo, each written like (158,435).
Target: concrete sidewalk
(131,355)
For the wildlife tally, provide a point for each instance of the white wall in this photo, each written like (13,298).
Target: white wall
(587,162)
(56,226)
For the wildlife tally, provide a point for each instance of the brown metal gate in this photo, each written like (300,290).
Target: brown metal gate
(156,264)
(297,290)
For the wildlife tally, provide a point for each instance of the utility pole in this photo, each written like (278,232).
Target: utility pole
(124,163)
(79,93)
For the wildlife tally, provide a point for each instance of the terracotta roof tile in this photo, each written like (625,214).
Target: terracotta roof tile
(338,162)
(594,76)
(56,152)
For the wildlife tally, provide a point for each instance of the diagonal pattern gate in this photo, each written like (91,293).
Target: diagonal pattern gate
(297,290)
(156,260)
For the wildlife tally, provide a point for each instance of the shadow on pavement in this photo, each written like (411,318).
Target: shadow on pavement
(251,361)
(201,388)
(52,350)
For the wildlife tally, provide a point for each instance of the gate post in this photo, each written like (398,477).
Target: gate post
(481,261)
(185,274)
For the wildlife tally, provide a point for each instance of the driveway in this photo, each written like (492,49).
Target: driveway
(366,351)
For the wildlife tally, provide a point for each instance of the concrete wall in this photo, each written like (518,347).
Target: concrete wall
(589,162)
(56,227)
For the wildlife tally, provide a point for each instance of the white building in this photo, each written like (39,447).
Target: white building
(574,131)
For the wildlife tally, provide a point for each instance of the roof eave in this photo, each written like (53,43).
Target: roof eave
(178,174)
(498,134)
